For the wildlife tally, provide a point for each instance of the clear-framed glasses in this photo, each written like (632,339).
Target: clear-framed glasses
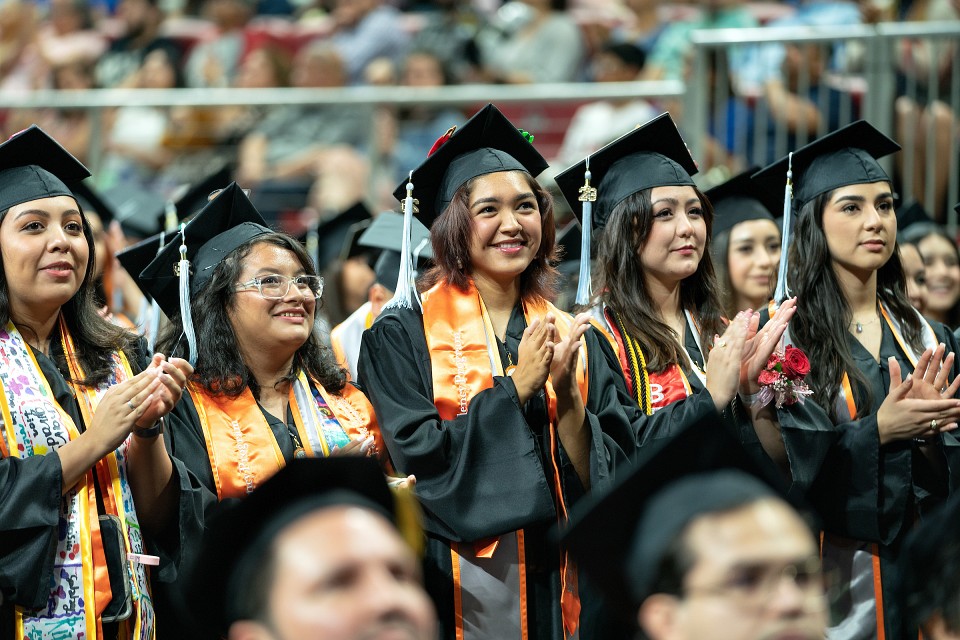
(274,286)
(753,586)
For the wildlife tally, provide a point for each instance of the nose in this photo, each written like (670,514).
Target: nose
(872,219)
(765,257)
(509,223)
(57,239)
(684,225)
(389,598)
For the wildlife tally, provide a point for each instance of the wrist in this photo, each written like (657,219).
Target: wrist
(152,432)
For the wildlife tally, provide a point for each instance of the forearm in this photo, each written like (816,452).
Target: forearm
(151,482)
(76,458)
(767,428)
(574,433)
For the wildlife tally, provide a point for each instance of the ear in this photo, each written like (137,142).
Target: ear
(249,630)
(658,616)
(378,296)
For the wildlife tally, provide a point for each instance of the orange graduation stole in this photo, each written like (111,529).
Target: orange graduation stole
(241,446)
(464,357)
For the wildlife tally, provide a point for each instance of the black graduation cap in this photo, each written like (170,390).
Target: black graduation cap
(653,155)
(740,199)
(139,211)
(135,258)
(333,235)
(91,199)
(241,532)
(847,156)
(619,537)
(33,165)
(193,197)
(928,563)
(351,242)
(912,214)
(385,232)
(486,143)
(227,222)
(570,239)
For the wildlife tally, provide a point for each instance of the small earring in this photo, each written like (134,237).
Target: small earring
(459,264)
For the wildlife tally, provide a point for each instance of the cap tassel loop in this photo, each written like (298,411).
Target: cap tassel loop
(782,293)
(152,321)
(186,315)
(588,195)
(406,287)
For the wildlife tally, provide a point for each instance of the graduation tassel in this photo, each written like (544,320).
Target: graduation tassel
(186,315)
(782,293)
(406,292)
(152,322)
(588,195)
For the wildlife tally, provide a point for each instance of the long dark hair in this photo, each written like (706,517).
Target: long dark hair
(624,290)
(451,234)
(220,365)
(720,256)
(819,326)
(95,338)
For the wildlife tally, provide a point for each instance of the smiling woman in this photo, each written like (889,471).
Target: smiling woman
(83,469)
(484,395)
(265,389)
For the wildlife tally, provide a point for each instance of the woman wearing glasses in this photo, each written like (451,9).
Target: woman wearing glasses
(265,390)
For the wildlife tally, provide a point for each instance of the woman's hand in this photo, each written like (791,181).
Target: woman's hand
(563,367)
(398,483)
(723,363)
(172,375)
(902,417)
(761,344)
(120,408)
(534,357)
(931,375)
(355,448)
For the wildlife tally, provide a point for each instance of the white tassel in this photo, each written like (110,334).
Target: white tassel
(186,315)
(782,292)
(588,195)
(406,286)
(152,320)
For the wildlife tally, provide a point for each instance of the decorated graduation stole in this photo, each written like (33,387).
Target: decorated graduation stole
(464,357)
(241,446)
(652,391)
(36,425)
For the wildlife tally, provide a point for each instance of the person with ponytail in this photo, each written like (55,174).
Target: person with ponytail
(656,293)
(870,450)
(89,497)
(506,409)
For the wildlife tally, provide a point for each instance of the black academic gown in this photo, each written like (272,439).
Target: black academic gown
(186,442)
(30,492)
(488,472)
(860,489)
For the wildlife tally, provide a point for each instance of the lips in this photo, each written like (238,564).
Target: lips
(57,266)
(291,313)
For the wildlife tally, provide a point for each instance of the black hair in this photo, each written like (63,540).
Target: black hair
(220,366)
(820,323)
(624,289)
(95,339)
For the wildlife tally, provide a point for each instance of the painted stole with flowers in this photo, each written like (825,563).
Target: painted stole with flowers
(36,425)
(241,446)
(464,357)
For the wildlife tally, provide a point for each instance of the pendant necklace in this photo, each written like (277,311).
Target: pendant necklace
(858,326)
(298,451)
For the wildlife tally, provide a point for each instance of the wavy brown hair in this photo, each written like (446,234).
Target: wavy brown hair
(624,289)
(819,326)
(451,234)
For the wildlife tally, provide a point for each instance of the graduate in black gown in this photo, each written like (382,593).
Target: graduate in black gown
(498,457)
(89,498)
(656,292)
(871,453)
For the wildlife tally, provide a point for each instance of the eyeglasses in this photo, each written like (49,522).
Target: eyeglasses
(753,586)
(274,286)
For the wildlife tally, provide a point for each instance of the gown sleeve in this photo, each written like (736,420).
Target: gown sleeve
(480,474)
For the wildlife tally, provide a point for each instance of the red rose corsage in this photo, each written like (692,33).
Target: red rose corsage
(782,380)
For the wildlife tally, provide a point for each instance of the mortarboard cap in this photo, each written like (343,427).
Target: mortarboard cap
(570,239)
(135,258)
(847,156)
(740,199)
(333,235)
(653,155)
(33,166)
(241,532)
(91,199)
(351,242)
(191,198)
(928,564)
(619,538)
(386,233)
(487,143)
(227,222)
(138,210)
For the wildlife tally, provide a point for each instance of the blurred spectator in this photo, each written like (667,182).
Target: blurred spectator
(18,24)
(141,21)
(449,34)
(134,148)
(364,31)
(916,273)
(69,34)
(942,262)
(265,67)
(923,116)
(597,123)
(288,141)
(670,54)
(644,26)
(214,63)
(532,41)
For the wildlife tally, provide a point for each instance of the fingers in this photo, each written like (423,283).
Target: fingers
(940,382)
(895,376)
(920,370)
(952,390)
(899,391)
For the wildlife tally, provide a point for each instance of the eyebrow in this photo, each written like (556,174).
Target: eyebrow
(855,198)
(674,201)
(45,214)
(494,199)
